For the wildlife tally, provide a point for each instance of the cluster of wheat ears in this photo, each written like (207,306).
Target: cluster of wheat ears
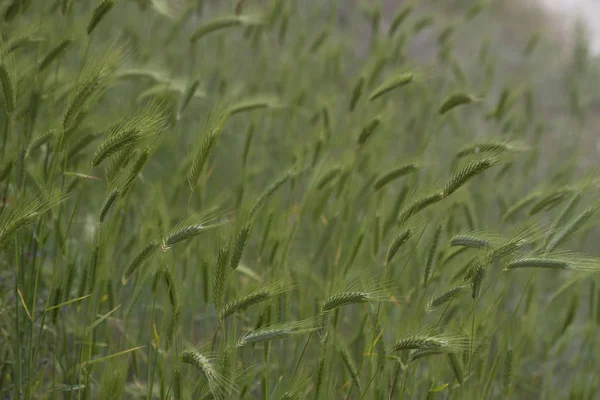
(274,199)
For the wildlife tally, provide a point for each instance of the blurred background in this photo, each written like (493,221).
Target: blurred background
(587,11)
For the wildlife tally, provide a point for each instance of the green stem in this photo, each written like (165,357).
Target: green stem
(395,382)
(36,267)
(471,349)
(265,391)
(301,356)
(5,136)
(18,370)
(368,384)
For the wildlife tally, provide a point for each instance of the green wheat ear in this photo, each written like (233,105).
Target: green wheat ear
(479,272)
(108,204)
(363,290)
(520,205)
(319,40)
(428,339)
(130,130)
(399,18)
(8,85)
(218,384)
(394,174)
(176,383)
(418,205)
(432,254)
(239,242)
(211,130)
(391,84)
(329,176)
(356,93)
(187,96)
(549,201)
(508,371)
(5,170)
(462,176)
(422,23)
(191,227)
(221,23)
(39,141)
(269,192)
(445,297)
(220,274)
(255,296)
(495,148)
(27,210)
(279,331)
(569,229)
(93,77)
(99,13)
(350,365)
(559,260)
(472,240)
(256,103)
(141,257)
(455,100)
(400,239)
(135,170)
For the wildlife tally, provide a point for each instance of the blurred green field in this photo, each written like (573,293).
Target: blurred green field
(296,199)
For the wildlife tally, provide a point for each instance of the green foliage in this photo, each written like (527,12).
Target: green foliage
(188,188)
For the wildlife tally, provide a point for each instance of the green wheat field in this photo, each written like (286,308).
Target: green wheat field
(296,199)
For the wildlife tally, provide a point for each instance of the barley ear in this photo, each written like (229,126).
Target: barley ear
(564,234)
(329,176)
(93,77)
(220,276)
(176,384)
(455,100)
(391,84)
(130,130)
(108,204)
(138,260)
(191,227)
(399,18)
(470,171)
(254,296)
(187,97)
(28,208)
(368,130)
(457,367)
(54,54)
(508,372)
(268,193)
(218,384)
(38,142)
(212,130)
(99,13)
(135,171)
(214,25)
(431,256)
(356,93)
(400,239)
(238,245)
(444,298)
(477,280)
(394,174)
(8,82)
(223,23)
(350,366)
(419,205)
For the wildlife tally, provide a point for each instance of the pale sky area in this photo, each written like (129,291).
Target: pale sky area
(587,10)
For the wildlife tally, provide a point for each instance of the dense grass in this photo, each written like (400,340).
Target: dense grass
(293,199)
